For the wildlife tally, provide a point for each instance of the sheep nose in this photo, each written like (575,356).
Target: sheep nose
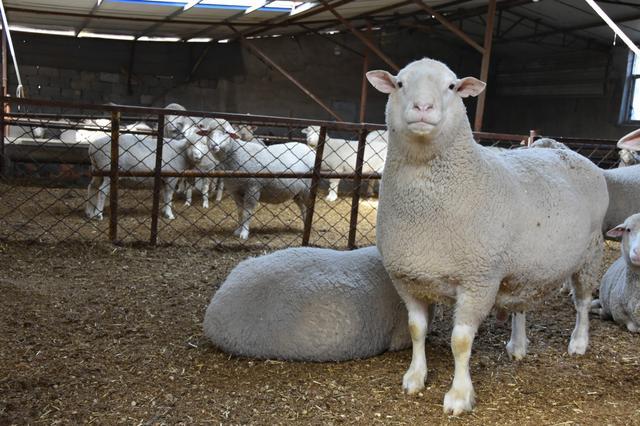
(203,132)
(422,107)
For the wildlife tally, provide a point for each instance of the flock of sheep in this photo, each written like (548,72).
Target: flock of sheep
(458,223)
(207,144)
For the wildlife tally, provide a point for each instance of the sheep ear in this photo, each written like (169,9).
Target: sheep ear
(382,80)
(630,141)
(469,86)
(616,232)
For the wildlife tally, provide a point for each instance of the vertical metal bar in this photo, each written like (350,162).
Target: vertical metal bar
(115,159)
(157,182)
(484,67)
(355,200)
(532,137)
(315,180)
(4,130)
(365,83)
(4,163)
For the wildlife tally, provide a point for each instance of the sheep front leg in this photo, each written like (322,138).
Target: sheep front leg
(517,346)
(246,208)
(205,192)
(419,316)
(219,189)
(333,189)
(167,196)
(103,191)
(92,197)
(471,310)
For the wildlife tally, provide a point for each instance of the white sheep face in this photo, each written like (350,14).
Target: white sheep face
(630,245)
(420,96)
(201,133)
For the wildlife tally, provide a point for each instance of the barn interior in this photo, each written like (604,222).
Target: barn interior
(102,319)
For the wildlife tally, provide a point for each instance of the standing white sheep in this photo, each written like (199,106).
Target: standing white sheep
(461,224)
(620,287)
(140,155)
(623,184)
(308,304)
(340,156)
(252,157)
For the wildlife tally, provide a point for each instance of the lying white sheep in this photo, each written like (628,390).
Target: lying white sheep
(139,155)
(461,224)
(251,157)
(620,287)
(340,156)
(308,304)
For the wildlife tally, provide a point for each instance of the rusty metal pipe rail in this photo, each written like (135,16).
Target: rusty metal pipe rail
(106,130)
(272,120)
(237,174)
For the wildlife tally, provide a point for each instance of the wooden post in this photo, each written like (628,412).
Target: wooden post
(157,181)
(115,158)
(315,180)
(484,68)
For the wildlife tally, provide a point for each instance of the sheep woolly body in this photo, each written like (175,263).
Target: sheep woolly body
(140,155)
(308,304)
(462,224)
(620,287)
(340,155)
(252,157)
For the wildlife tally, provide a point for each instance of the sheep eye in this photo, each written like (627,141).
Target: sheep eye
(400,85)
(451,86)
(627,230)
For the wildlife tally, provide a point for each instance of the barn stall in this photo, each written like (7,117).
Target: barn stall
(104,317)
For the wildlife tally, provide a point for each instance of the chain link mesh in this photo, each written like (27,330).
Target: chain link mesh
(231,181)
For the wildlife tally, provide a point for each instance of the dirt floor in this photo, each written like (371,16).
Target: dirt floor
(96,333)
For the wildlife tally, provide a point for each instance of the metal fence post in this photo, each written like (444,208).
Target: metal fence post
(532,137)
(315,180)
(157,181)
(115,159)
(355,200)
(3,158)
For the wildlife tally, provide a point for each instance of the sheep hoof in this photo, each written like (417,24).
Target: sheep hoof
(169,216)
(578,346)
(516,353)
(632,327)
(187,203)
(413,381)
(205,204)
(332,197)
(457,401)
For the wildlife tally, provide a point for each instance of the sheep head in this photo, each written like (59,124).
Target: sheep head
(422,97)
(630,245)
(313,135)
(206,134)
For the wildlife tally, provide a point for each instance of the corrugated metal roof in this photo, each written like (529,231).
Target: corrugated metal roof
(165,18)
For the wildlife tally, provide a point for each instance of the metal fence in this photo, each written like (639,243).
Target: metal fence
(120,173)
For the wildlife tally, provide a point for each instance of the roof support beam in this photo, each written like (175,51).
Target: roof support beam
(445,22)
(331,40)
(253,48)
(361,37)
(94,9)
(486,60)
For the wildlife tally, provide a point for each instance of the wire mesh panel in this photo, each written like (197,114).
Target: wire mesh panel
(132,174)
